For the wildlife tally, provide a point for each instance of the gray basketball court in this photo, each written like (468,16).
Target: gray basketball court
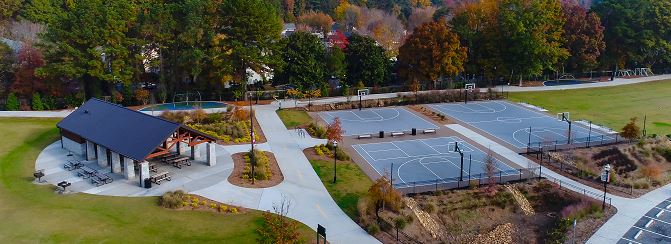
(519,126)
(426,161)
(373,120)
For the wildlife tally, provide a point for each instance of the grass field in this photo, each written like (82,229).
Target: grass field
(351,184)
(294,118)
(612,106)
(35,214)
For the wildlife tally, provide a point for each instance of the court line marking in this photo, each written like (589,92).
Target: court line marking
(460,140)
(500,121)
(364,158)
(440,108)
(406,154)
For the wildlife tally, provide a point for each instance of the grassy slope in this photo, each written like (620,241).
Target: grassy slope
(351,184)
(612,106)
(293,118)
(33,213)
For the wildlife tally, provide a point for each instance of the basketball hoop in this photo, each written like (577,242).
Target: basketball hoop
(564,116)
(469,86)
(362,92)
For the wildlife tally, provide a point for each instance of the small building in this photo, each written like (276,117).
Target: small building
(124,139)
(288,29)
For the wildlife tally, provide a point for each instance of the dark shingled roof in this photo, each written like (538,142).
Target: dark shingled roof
(125,131)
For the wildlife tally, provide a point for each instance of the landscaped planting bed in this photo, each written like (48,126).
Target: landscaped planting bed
(231,127)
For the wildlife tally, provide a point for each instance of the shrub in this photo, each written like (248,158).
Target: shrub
(241,115)
(262,169)
(316,131)
(36,102)
(427,207)
(194,205)
(342,155)
(318,151)
(223,208)
(234,210)
(173,199)
(373,229)
(12,102)
(213,205)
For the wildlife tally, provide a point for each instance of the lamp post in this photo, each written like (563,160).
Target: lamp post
(335,151)
(605,177)
(252,159)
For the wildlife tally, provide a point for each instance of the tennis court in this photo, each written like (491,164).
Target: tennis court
(519,126)
(426,161)
(370,121)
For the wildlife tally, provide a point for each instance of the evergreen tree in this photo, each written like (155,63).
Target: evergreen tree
(36,102)
(12,103)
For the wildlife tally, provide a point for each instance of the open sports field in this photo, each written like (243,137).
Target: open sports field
(612,106)
(35,214)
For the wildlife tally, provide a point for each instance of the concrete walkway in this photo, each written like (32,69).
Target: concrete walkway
(311,203)
(616,82)
(629,211)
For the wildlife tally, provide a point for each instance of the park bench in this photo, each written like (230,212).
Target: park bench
(398,133)
(157,178)
(427,131)
(366,136)
(180,161)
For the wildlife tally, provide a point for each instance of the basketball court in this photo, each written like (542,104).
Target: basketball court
(373,120)
(426,161)
(519,126)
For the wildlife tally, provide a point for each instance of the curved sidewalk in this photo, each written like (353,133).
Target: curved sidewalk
(629,211)
(311,203)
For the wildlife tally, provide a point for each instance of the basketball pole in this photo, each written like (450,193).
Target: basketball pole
(360,104)
(529,141)
(645,118)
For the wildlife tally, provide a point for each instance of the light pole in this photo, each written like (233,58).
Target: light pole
(589,135)
(605,177)
(252,159)
(335,151)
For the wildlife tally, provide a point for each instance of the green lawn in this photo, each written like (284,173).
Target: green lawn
(35,214)
(612,106)
(351,184)
(294,118)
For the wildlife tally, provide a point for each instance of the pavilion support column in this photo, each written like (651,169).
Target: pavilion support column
(102,156)
(196,153)
(179,149)
(129,166)
(90,151)
(211,154)
(116,163)
(144,172)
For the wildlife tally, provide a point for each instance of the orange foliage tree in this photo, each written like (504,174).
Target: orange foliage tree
(334,131)
(26,82)
(631,130)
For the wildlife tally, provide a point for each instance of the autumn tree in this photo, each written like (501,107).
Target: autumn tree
(419,16)
(631,130)
(26,82)
(430,53)
(366,61)
(277,226)
(382,194)
(338,39)
(315,21)
(288,7)
(334,131)
(489,167)
(584,36)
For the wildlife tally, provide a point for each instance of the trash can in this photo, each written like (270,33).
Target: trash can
(414,131)
(147,183)
(381,134)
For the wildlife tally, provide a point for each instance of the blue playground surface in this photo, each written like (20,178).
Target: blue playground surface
(564,82)
(511,123)
(371,121)
(426,161)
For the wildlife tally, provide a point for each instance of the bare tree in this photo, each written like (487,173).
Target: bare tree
(490,169)
(420,16)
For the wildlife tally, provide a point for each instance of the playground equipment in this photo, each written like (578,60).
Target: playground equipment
(187,97)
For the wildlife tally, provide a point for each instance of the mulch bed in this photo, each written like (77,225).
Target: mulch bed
(429,113)
(207,208)
(238,165)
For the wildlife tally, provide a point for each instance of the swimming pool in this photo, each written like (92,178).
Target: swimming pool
(564,82)
(185,106)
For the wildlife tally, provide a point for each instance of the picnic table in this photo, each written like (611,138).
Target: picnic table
(153,167)
(85,172)
(101,179)
(71,165)
(157,178)
(170,156)
(179,161)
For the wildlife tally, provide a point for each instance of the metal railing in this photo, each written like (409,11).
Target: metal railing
(497,177)
(578,189)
